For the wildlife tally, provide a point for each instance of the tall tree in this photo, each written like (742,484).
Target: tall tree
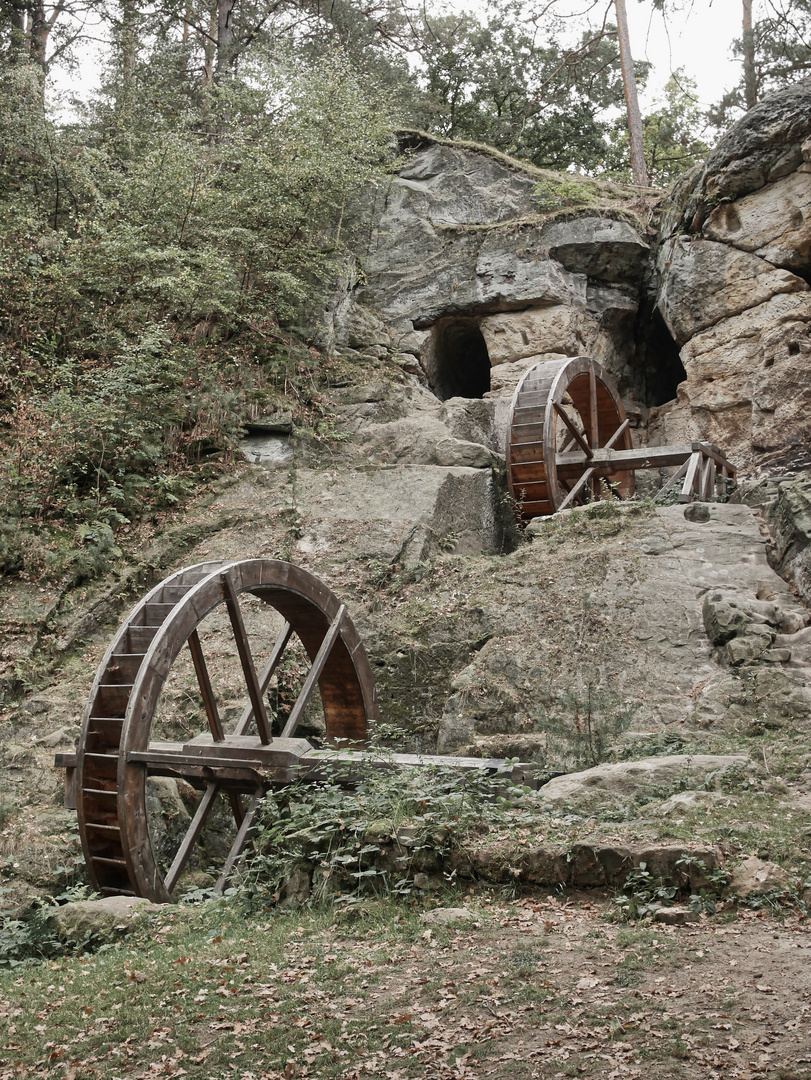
(631,98)
(748,48)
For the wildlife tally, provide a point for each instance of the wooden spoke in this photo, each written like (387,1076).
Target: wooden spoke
(239,842)
(576,436)
(244,650)
(314,674)
(577,488)
(267,673)
(189,840)
(209,701)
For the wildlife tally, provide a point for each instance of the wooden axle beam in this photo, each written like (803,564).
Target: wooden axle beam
(243,762)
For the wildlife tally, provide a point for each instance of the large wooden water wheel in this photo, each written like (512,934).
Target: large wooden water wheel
(561,413)
(220,760)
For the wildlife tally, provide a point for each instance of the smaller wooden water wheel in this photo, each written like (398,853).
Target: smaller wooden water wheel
(219,760)
(562,412)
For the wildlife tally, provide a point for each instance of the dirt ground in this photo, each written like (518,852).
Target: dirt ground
(537,987)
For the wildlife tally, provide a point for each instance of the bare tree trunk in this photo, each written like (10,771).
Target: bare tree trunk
(750,89)
(210,46)
(225,37)
(40,29)
(631,99)
(20,28)
(129,39)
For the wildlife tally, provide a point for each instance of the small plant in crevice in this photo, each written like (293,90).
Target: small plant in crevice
(643,894)
(708,894)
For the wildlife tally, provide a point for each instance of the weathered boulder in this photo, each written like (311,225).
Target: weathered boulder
(685,801)
(734,261)
(703,283)
(450,916)
(626,778)
(451,451)
(753,877)
(103,920)
(768,143)
(774,223)
(790,518)
(600,247)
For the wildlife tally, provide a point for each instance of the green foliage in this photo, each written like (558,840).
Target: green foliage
(643,894)
(334,832)
(33,938)
(151,253)
(671,135)
(496,78)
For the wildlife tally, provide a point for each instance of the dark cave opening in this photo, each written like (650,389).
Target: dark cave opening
(458,362)
(660,364)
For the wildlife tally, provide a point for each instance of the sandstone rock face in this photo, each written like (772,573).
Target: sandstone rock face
(464,234)
(628,777)
(734,264)
(790,518)
(615,634)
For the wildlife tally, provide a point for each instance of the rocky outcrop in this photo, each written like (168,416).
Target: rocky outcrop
(608,630)
(625,778)
(466,242)
(789,514)
(734,264)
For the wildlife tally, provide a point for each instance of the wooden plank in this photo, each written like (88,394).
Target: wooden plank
(244,650)
(314,674)
(707,479)
(651,457)
(688,487)
(206,689)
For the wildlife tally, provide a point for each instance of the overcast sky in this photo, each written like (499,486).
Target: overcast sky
(698,38)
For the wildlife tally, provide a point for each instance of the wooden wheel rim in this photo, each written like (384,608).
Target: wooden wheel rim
(111,791)
(535,474)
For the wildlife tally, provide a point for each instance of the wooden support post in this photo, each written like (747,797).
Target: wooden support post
(674,479)
(693,466)
(239,842)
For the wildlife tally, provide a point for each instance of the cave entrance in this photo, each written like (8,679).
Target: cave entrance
(660,364)
(458,364)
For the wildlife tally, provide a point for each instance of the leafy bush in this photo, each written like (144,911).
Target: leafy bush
(151,254)
(335,832)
